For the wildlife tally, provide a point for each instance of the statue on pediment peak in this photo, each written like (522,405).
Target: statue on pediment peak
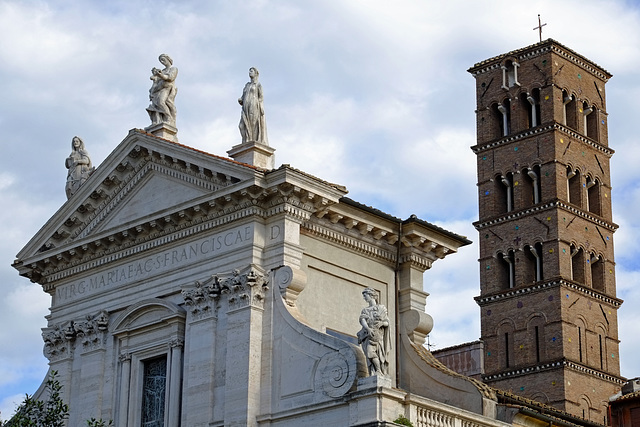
(79,165)
(162,94)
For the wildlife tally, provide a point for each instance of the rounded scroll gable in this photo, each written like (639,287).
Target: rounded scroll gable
(146,313)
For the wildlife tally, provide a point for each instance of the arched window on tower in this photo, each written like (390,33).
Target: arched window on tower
(532,266)
(503,115)
(535,328)
(499,124)
(532,103)
(574,187)
(569,110)
(593,196)
(531,185)
(504,184)
(597,272)
(507,267)
(582,340)
(510,74)
(504,342)
(590,121)
(577,264)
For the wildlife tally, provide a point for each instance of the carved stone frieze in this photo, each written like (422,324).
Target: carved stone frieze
(88,333)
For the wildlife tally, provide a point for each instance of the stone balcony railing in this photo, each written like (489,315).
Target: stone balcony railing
(428,413)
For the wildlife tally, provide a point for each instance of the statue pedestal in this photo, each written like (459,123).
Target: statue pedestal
(374,382)
(163,130)
(253,153)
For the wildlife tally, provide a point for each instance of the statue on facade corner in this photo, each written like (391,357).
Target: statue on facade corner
(162,94)
(79,165)
(253,126)
(374,335)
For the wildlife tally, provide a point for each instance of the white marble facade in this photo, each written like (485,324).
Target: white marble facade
(245,284)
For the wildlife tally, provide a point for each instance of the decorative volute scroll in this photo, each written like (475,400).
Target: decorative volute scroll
(89,332)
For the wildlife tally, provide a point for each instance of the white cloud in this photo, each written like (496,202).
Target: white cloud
(368,94)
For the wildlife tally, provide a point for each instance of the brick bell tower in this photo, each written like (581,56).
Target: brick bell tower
(547,273)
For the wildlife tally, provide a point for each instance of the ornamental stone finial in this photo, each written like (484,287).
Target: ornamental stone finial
(79,165)
(162,95)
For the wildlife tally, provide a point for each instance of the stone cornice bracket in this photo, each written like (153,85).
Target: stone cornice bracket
(90,332)
(290,283)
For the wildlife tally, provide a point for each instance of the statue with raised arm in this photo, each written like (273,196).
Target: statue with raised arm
(79,165)
(253,126)
(162,94)
(374,335)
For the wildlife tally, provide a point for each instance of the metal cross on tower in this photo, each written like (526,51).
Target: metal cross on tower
(539,27)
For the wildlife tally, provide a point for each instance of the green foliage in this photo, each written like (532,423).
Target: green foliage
(403,421)
(51,412)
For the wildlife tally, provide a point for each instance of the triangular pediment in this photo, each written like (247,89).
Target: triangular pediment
(143,179)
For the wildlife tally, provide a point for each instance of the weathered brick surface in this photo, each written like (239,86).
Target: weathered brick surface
(562,328)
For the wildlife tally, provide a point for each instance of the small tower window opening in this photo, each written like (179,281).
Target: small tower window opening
(569,110)
(502,112)
(580,343)
(537,341)
(593,196)
(590,121)
(507,269)
(505,191)
(531,185)
(535,328)
(532,104)
(506,350)
(574,187)
(577,264)
(510,74)
(533,263)
(597,272)
(601,352)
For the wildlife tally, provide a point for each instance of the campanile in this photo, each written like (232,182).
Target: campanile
(547,272)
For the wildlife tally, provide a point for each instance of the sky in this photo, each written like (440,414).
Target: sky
(370,94)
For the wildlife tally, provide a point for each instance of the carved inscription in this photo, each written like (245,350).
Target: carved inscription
(146,267)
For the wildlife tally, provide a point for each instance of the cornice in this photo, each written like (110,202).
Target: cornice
(480,148)
(480,225)
(356,244)
(563,363)
(541,286)
(538,49)
(206,214)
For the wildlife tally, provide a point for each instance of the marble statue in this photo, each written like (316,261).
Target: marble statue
(162,94)
(79,165)
(374,335)
(253,126)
